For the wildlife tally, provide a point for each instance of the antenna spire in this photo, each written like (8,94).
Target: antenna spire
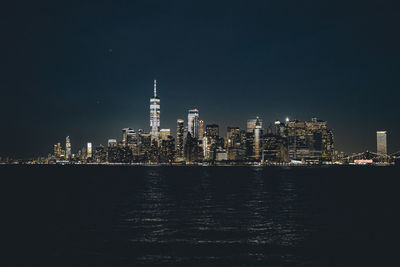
(155,88)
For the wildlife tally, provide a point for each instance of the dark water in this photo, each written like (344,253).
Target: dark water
(200,216)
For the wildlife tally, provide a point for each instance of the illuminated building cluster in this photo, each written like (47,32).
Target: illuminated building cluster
(288,142)
(197,142)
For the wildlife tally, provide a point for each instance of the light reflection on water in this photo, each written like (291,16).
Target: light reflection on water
(213,206)
(194,216)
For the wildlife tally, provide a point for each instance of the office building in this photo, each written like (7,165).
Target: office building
(125,132)
(201,129)
(100,154)
(381,142)
(179,144)
(192,150)
(155,114)
(211,142)
(193,123)
(68,153)
(274,148)
(234,146)
(167,150)
(89,150)
(112,150)
(253,139)
(132,142)
(257,130)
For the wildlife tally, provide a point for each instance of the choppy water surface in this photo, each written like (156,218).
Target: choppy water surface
(186,216)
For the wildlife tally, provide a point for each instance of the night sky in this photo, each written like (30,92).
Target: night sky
(86,69)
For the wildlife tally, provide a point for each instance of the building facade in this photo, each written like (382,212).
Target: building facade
(155,114)
(68,153)
(179,143)
(381,142)
(89,150)
(193,123)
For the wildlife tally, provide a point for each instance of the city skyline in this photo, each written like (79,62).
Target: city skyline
(277,142)
(192,126)
(84,70)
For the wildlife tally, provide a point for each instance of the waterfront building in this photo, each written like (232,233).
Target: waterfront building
(212,134)
(68,153)
(100,154)
(167,150)
(112,150)
(192,151)
(124,153)
(381,142)
(155,114)
(320,140)
(248,140)
(257,139)
(89,150)
(253,139)
(144,149)
(57,151)
(132,142)
(221,155)
(274,148)
(234,147)
(310,141)
(297,142)
(179,145)
(82,154)
(193,123)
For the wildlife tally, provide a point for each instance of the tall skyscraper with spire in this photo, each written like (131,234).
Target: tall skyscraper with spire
(155,114)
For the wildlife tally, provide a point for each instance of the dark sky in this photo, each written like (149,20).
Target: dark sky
(87,69)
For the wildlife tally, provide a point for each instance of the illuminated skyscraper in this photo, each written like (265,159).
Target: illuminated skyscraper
(257,139)
(233,143)
(254,138)
(89,150)
(201,129)
(381,145)
(57,151)
(211,141)
(67,148)
(132,141)
(193,123)
(125,135)
(180,132)
(112,150)
(155,114)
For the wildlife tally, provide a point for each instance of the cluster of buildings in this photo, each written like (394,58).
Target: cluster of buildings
(195,142)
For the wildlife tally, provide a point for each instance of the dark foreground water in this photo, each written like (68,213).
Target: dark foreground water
(200,216)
